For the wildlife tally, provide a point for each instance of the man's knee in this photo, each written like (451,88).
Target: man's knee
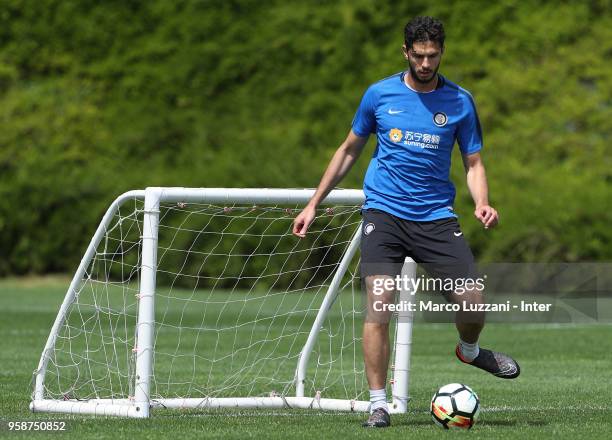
(380,293)
(472,311)
(377,327)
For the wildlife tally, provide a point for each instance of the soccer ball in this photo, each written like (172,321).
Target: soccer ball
(455,406)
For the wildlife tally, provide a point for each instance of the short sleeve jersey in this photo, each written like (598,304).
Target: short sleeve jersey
(408,175)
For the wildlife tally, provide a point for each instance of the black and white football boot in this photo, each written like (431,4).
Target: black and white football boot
(498,364)
(378,419)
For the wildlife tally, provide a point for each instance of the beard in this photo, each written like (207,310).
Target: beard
(421,79)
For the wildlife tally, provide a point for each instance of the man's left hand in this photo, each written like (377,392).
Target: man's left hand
(487,216)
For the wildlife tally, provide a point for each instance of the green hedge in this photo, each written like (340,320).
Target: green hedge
(101,97)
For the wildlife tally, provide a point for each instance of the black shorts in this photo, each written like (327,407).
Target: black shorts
(438,246)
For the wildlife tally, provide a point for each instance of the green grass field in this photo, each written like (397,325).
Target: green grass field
(565,390)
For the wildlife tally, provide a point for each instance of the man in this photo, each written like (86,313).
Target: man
(417,116)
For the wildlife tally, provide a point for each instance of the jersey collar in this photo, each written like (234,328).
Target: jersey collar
(440,84)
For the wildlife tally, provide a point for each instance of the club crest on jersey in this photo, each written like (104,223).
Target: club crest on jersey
(440,119)
(396,134)
(369,228)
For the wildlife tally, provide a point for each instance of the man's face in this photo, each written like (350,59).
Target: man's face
(424,59)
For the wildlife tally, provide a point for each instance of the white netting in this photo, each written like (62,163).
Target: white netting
(236,296)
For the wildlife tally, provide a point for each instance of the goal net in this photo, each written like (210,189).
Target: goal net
(203,298)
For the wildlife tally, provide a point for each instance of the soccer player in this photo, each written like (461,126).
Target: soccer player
(416,115)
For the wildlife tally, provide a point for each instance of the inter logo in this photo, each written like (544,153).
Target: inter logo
(440,119)
(395,134)
(369,228)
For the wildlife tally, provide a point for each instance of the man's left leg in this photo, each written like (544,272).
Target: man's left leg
(469,325)
(440,246)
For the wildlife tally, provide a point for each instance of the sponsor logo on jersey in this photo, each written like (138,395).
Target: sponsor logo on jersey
(396,135)
(440,119)
(415,139)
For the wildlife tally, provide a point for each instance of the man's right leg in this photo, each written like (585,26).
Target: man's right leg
(382,257)
(376,353)
(376,346)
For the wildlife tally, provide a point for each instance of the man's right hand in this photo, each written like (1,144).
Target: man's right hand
(303,220)
(341,163)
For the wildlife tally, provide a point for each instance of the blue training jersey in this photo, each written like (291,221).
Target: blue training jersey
(408,175)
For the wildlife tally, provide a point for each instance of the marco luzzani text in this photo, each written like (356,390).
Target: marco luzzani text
(459,286)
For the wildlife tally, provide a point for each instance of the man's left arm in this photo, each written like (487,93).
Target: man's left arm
(477,184)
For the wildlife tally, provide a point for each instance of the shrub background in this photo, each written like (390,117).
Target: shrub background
(97,98)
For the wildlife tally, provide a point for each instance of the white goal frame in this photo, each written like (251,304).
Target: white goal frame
(140,406)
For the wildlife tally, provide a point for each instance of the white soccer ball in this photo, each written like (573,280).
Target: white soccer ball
(455,406)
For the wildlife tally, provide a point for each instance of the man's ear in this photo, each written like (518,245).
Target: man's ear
(405,51)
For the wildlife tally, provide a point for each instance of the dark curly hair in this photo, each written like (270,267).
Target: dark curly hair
(421,29)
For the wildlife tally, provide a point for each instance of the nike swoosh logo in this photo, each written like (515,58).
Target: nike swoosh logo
(395,112)
(508,371)
(458,234)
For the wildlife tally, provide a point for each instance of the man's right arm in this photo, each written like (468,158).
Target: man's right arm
(342,161)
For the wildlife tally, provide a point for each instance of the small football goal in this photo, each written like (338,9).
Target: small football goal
(202,298)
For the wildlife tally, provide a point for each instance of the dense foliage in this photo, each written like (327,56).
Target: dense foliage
(101,97)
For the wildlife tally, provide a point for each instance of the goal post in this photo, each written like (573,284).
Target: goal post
(202,298)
